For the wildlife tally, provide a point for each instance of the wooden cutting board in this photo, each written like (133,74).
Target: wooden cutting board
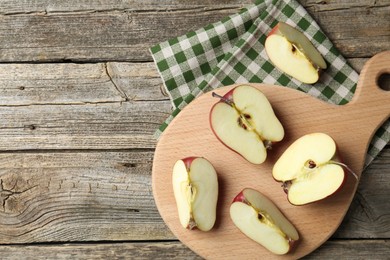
(351,126)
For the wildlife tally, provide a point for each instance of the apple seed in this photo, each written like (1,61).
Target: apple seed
(293,48)
(240,123)
(310,164)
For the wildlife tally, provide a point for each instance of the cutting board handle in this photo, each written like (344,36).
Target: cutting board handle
(368,90)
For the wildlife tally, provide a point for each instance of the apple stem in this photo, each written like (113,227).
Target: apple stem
(268,144)
(227,101)
(192,224)
(286,185)
(346,167)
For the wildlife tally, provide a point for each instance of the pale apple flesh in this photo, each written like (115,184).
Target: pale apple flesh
(195,187)
(293,53)
(245,122)
(302,43)
(308,169)
(258,218)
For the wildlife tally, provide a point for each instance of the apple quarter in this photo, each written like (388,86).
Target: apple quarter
(293,53)
(195,187)
(261,220)
(245,122)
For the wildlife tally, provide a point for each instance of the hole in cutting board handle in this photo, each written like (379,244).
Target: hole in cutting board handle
(383,81)
(372,87)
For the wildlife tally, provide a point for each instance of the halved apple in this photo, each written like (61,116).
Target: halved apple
(195,187)
(245,122)
(292,52)
(309,169)
(261,220)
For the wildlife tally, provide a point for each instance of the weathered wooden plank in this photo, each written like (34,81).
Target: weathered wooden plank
(88,126)
(101,36)
(70,83)
(362,249)
(138,81)
(80,106)
(143,250)
(93,196)
(9,7)
(124,32)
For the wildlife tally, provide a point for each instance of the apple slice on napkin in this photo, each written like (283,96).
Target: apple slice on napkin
(292,52)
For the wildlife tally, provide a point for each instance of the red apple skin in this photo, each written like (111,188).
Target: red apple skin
(241,198)
(228,96)
(274,30)
(188,161)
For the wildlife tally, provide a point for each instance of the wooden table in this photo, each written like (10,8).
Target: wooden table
(80,99)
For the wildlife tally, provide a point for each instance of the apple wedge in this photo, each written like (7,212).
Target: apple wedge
(293,53)
(259,218)
(309,169)
(245,122)
(195,187)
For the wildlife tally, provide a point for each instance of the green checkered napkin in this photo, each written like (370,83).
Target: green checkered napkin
(232,51)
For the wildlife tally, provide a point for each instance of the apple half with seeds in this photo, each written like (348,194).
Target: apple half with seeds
(244,121)
(260,219)
(293,53)
(309,169)
(195,187)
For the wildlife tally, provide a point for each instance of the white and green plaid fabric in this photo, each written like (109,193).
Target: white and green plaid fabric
(232,51)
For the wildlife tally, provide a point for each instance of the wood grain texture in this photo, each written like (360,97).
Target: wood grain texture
(359,250)
(78,196)
(102,36)
(70,83)
(45,31)
(10,7)
(89,126)
(136,250)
